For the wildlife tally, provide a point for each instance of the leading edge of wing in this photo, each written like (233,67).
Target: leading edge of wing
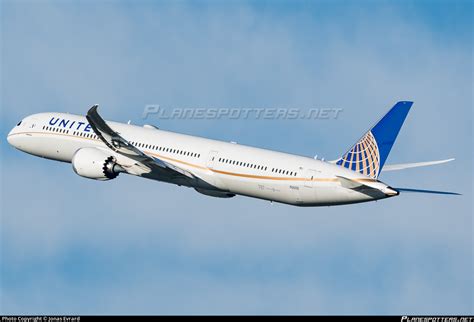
(117,143)
(111,138)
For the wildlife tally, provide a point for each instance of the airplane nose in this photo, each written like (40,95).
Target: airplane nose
(11,138)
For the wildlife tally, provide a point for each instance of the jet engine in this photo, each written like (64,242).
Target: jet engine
(97,164)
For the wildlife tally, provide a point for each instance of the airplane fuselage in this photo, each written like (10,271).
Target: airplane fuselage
(222,169)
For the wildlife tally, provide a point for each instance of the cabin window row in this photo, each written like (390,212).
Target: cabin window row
(243,164)
(140,145)
(285,172)
(256,166)
(165,149)
(55,129)
(86,135)
(75,133)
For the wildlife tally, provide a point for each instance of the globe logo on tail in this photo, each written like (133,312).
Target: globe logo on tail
(363,157)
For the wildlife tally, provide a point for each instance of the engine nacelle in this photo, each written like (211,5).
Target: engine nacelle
(97,164)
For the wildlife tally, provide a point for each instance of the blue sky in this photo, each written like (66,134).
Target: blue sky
(132,246)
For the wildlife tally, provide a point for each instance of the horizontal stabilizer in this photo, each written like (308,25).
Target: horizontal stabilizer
(351,184)
(428,191)
(401,166)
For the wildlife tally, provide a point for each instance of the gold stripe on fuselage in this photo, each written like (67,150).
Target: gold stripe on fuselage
(236,174)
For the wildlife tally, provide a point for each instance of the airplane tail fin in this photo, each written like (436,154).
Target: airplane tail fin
(369,154)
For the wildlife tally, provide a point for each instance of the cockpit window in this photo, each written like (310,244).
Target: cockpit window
(19,123)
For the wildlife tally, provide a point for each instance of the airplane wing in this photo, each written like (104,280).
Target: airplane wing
(115,142)
(394,167)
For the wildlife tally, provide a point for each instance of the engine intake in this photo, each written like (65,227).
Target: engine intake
(97,164)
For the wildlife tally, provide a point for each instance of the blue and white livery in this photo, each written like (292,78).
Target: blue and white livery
(368,156)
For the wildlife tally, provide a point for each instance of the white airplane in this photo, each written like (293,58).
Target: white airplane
(102,150)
